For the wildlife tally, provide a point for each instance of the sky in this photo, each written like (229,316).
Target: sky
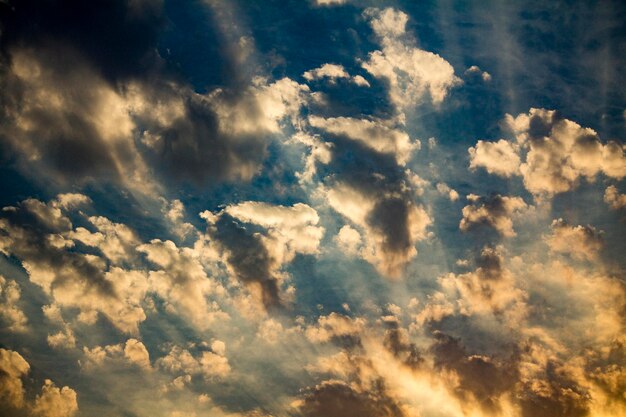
(312,208)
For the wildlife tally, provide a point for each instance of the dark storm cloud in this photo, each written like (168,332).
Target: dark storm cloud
(248,257)
(338,399)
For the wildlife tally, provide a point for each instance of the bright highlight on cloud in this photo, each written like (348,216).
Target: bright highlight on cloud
(324,209)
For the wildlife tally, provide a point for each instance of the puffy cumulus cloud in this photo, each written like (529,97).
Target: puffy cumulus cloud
(182,282)
(132,352)
(38,234)
(582,242)
(11,314)
(491,289)
(256,258)
(338,328)
(349,240)
(444,189)
(12,368)
(409,71)
(392,223)
(614,199)
(51,402)
(495,211)
(209,364)
(554,153)
(55,402)
(500,158)
(374,134)
(320,152)
(475,71)
(261,108)
(116,241)
(332,72)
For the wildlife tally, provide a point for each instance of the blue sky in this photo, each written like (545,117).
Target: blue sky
(312,208)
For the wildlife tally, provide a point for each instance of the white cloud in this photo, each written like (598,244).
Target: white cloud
(332,72)
(558,152)
(495,212)
(290,230)
(13,368)
(208,364)
(10,312)
(132,352)
(410,71)
(475,70)
(500,158)
(614,199)
(182,282)
(444,189)
(375,134)
(349,240)
(582,242)
(383,251)
(55,402)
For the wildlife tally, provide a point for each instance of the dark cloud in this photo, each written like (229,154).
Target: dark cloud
(396,340)
(395,215)
(248,257)
(117,36)
(338,399)
(31,239)
(193,148)
(85,95)
(484,377)
(559,396)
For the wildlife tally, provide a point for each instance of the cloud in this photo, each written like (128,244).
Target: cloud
(374,134)
(51,402)
(495,211)
(500,158)
(181,281)
(13,367)
(332,72)
(582,242)
(392,224)
(38,234)
(257,258)
(329,2)
(208,364)
(132,352)
(411,72)
(444,189)
(614,199)
(10,312)
(480,378)
(474,71)
(490,289)
(338,399)
(55,402)
(558,152)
